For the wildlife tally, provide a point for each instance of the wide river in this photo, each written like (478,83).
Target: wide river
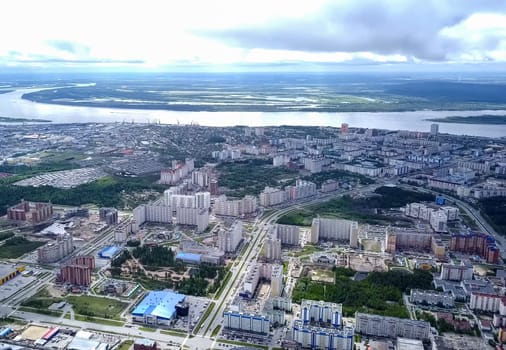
(12,105)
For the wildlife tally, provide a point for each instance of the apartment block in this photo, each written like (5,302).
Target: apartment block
(229,239)
(391,327)
(334,230)
(31,212)
(288,234)
(430,297)
(311,337)
(52,252)
(456,272)
(272,196)
(235,208)
(193,217)
(476,243)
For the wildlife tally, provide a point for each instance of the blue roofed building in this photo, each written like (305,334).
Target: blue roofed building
(109,252)
(158,308)
(189,258)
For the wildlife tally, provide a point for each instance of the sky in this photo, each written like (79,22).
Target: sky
(185,35)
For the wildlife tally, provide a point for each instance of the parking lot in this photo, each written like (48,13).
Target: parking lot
(14,285)
(198,306)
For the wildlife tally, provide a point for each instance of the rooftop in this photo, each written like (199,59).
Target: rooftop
(6,270)
(161,304)
(188,257)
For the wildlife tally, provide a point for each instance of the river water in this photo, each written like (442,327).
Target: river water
(12,105)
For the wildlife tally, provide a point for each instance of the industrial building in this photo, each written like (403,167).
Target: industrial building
(334,230)
(8,272)
(54,251)
(158,308)
(233,320)
(391,327)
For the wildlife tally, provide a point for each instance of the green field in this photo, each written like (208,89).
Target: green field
(307,250)
(5,235)
(17,246)
(96,306)
(41,300)
(360,209)
(173,332)
(147,329)
(127,344)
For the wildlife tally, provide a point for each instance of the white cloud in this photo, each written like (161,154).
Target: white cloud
(160,33)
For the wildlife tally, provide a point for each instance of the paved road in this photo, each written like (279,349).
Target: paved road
(262,227)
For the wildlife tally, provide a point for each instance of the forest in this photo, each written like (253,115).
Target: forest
(379,293)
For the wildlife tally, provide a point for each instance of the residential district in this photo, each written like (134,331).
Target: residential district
(148,236)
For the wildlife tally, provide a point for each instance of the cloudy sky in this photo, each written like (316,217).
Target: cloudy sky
(244,34)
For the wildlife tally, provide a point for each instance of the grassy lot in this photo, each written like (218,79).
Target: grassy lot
(55,313)
(173,332)
(5,235)
(100,320)
(96,306)
(215,332)
(41,300)
(127,344)
(147,329)
(11,320)
(307,250)
(359,209)
(17,246)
